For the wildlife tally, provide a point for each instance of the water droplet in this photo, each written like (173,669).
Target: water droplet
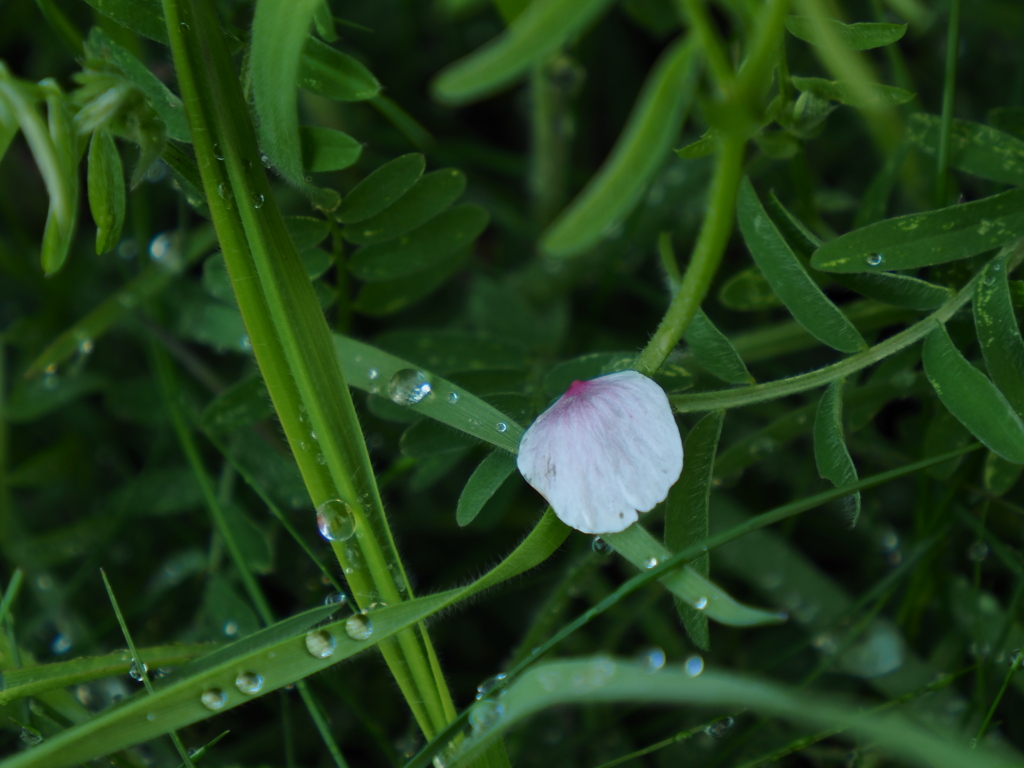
(214,699)
(247,163)
(163,251)
(85,347)
(61,644)
(249,683)
(694,665)
(335,519)
(257,200)
(265,160)
(223,190)
(30,737)
(184,28)
(977,552)
(358,627)
(217,153)
(151,716)
(372,374)
(491,684)
(336,598)
(245,344)
(230,628)
(453,397)
(484,714)
(718,729)
(875,259)
(651,660)
(700,603)
(320,643)
(135,672)
(650,562)
(321,459)
(502,426)
(408,387)
(600,546)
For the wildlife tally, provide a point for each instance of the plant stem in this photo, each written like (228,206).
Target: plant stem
(548,162)
(948,93)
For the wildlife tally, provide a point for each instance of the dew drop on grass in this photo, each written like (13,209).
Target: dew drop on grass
(223,190)
(359,627)
(694,665)
(30,737)
(230,628)
(600,546)
(135,672)
(484,715)
(875,259)
(320,643)
(488,686)
(266,161)
(216,147)
(453,397)
(502,426)
(651,660)
(977,552)
(700,603)
(249,683)
(409,387)
(184,28)
(334,519)
(213,699)
(650,562)
(257,200)
(718,729)
(336,598)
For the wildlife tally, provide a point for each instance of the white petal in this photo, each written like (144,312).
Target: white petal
(606,449)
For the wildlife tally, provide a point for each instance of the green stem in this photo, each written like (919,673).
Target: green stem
(707,253)
(694,12)
(547,124)
(948,92)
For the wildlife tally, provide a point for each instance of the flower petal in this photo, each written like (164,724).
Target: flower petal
(608,448)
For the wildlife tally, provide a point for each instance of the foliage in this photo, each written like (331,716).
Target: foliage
(285,282)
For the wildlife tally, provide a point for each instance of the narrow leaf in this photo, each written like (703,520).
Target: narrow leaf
(999,334)
(790,282)
(853,94)
(541,29)
(427,198)
(830,451)
(146,17)
(325,149)
(106,190)
(715,352)
(748,291)
(923,239)
(390,296)
(686,513)
(485,481)
(381,188)
(861,36)
(329,72)
(62,217)
(972,398)
(638,153)
(422,248)
(975,148)
(1000,475)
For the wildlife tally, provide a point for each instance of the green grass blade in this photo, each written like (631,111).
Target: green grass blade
(790,282)
(998,333)
(924,239)
(538,31)
(638,153)
(830,452)
(972,398)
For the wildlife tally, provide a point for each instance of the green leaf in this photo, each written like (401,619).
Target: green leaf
(638,153)
(329,72)
(748,291)
(974,148)
(862,36)
(62,218)
(998,332)
(830,452)
(702,147)
(686,513)
(146,17)
(969,395)
(561,376)
(278,45)
(714,351)
(306,231)
(540,30)
(788,279)
(426,438)
(241,405)
(923,239)
(425,200)
(390,296)
(1000,475)
(446,350)
(106,190)
(325,149)
(421,249)
(854,94)
(1008,119)
(640,548)
(485,481)
(381,188)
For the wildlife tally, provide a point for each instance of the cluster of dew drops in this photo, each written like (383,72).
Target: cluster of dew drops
(411,387)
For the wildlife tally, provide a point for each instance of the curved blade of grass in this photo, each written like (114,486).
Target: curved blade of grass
(638,153)
(830,452)
(686,513)
(862,36)
(604,679)
(640,548)
(538,31)
(278,654)
(974,148)
(485,481)
(924,239)
(280,31)
(790,282)
(998,334)
(972,398)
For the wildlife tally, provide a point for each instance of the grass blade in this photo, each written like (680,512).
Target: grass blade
(830,452)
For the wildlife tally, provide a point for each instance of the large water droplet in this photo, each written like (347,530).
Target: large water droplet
(359,627)
(694,665)
(875,259)
(408,387)
(249,683)
(651,660)
(491,684)
(335,520)
(137,672)
(320,643)
(213,698)
(484,714)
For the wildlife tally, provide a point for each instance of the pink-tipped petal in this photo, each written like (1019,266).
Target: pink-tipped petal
(607,449)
